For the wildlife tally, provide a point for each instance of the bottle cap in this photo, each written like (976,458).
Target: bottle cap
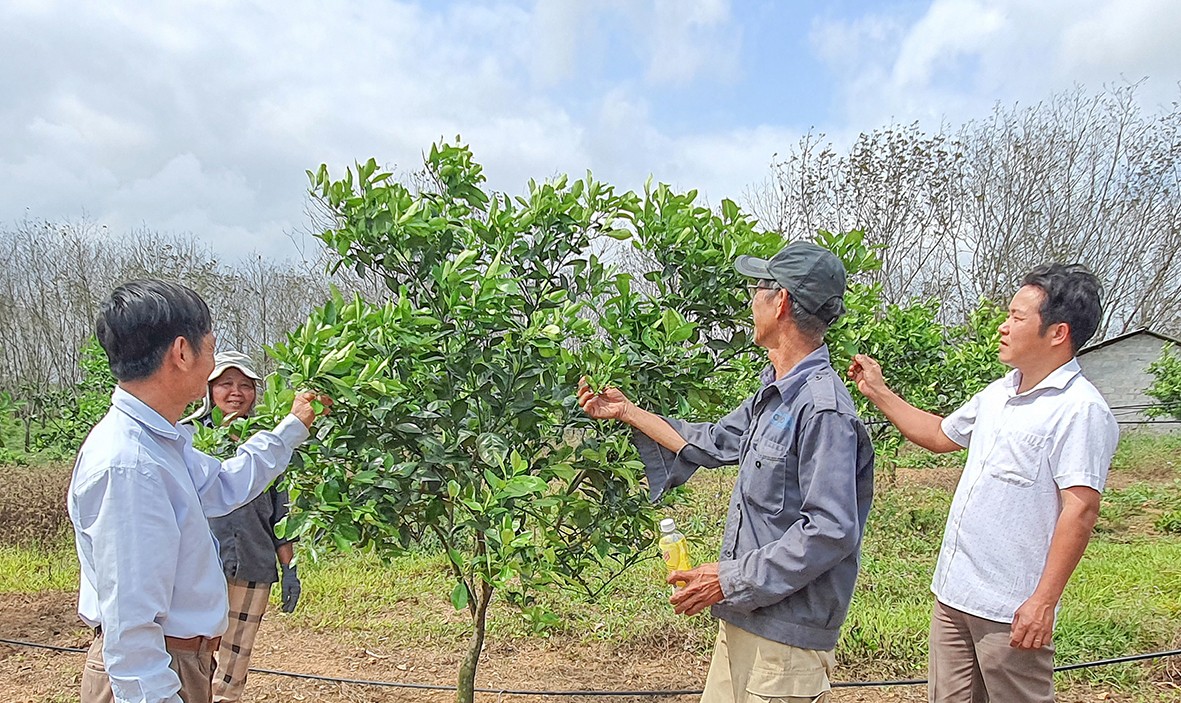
(667,525)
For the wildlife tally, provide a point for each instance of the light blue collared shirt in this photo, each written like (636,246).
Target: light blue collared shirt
(139,500)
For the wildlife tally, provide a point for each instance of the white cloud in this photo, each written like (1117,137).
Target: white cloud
(1127,41)
(203,118)
(689,38)
(559,35)
(677,41)
(961,56)
(951,29)
(848,45)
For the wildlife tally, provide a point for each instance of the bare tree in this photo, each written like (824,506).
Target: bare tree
(53,276)
(962,215)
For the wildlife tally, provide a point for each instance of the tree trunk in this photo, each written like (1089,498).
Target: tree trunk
(466,690)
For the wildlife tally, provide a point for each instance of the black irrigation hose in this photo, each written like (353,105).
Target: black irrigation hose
(512,692)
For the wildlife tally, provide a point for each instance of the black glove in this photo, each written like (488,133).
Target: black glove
(290,588)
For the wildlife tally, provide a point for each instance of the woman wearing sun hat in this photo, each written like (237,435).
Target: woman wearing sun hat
(246,537)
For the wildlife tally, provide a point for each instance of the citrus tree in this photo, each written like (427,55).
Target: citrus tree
(65,415)
(456,425)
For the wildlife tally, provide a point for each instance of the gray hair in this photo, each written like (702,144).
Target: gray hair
(809,325)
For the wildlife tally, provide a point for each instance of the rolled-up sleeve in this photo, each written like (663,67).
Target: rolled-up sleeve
(708,444)
(226,485)
(827,532)
(958,426)
(1081,454)
(123,515)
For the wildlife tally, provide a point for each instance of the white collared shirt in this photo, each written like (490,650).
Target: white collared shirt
(1023,448)
(139,499)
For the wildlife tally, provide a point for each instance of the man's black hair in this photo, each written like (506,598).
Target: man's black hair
(1071,296)
(141,319)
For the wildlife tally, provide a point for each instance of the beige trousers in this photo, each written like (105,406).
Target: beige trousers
(747,668)
(195,669)
(971,662)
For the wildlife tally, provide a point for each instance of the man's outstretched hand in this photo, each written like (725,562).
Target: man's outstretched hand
(867,374)
(609,404)
(308,405)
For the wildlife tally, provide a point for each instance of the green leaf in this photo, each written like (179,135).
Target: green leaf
(460,596)
(519,486)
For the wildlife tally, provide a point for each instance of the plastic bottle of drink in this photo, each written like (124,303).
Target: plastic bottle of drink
(674,548)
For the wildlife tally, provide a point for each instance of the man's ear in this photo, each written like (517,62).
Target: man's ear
(181,353)
(1060,334)
(783,305)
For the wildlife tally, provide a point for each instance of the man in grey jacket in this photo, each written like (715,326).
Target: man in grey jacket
(793,534)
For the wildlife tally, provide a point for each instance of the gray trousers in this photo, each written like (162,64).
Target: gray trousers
(972,662)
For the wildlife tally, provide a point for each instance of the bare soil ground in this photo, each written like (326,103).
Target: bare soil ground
(41,676)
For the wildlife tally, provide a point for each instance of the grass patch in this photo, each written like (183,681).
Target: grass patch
(35,568)
(886,632)
(1147,456)
(1139,509)
(1121,600)
(33,504)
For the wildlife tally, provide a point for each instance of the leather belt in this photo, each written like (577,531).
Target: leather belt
(184,644)
(192,644)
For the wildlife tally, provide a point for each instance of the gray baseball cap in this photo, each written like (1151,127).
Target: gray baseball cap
(813,276)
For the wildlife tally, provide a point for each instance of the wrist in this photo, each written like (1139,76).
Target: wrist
(1044,599)
(876,394)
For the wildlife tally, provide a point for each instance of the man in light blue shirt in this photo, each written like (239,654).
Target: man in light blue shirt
(151,581)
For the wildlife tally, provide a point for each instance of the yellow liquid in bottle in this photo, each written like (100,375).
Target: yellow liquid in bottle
(675,550)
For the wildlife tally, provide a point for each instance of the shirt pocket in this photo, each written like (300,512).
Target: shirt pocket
(1017,457)
(766,474)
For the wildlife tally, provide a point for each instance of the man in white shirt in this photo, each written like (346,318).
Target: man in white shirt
(151,581)
(1040,442)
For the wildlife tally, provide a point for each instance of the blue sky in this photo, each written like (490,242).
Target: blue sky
(202,117)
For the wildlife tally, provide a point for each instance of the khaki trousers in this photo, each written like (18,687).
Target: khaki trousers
(972,662)
(747,668)
(248,603)
(195,669)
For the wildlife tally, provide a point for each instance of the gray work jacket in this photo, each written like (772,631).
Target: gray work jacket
(246,538)
(792,542)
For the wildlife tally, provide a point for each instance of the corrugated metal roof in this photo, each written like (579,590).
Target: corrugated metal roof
(1133,333)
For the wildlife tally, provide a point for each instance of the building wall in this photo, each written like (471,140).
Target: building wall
(1120,372)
